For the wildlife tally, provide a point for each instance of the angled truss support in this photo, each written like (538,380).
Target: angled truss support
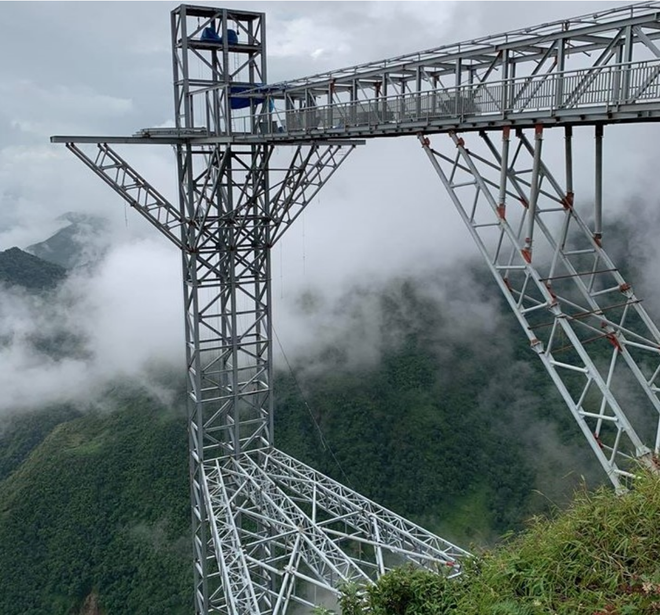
(133,188)
(235,203)
(309,170)
(581,317)
(320,535)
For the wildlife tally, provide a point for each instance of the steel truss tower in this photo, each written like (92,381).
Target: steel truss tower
(268,531)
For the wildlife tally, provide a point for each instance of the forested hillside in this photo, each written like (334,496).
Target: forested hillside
(98,512)
(444,420)
(18,268)
(452,426)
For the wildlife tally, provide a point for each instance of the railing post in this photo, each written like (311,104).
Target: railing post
(504,96)
(559,90)
(511,75)
(418,90)
(616,85)
(628,56)
(559,75)
(353,106)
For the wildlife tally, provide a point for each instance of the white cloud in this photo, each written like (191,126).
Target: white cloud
(305,37)
(40,111)
(131,310)
(125,317)
(39,183)
(385,212)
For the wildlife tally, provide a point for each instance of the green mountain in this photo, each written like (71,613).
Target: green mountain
(449,421)
(98,512)
(18,268)
(21,434)
(82,241)
(22,271)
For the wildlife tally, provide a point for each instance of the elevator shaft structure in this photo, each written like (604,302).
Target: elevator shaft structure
(268,531)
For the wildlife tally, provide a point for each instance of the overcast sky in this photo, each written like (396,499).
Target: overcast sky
(105,68)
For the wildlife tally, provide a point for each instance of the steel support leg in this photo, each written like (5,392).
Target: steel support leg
(321,535)
(581,317)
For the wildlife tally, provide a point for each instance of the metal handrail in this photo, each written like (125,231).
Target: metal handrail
(604,86)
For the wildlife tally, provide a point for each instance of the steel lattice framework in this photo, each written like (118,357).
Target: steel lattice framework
(269,531)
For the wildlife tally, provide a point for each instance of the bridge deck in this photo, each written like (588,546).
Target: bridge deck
(599,68)
(608,94)
(602,67)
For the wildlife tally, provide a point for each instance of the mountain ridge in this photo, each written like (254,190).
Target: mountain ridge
(32,273)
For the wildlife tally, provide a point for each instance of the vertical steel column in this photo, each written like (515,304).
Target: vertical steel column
(501,201)
(183,118)
(534,192)
(190,268)
(568,155)
(598,174)
(223,193)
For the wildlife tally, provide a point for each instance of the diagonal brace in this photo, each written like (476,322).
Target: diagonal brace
(134,189)
(306,175)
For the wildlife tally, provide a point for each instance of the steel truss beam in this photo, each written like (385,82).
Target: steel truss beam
(601,67)
(581,317)
(285,534)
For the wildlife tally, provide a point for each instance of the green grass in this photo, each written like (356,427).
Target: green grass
(600,557)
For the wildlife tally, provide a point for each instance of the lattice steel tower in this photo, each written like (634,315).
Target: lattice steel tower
(269,531)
